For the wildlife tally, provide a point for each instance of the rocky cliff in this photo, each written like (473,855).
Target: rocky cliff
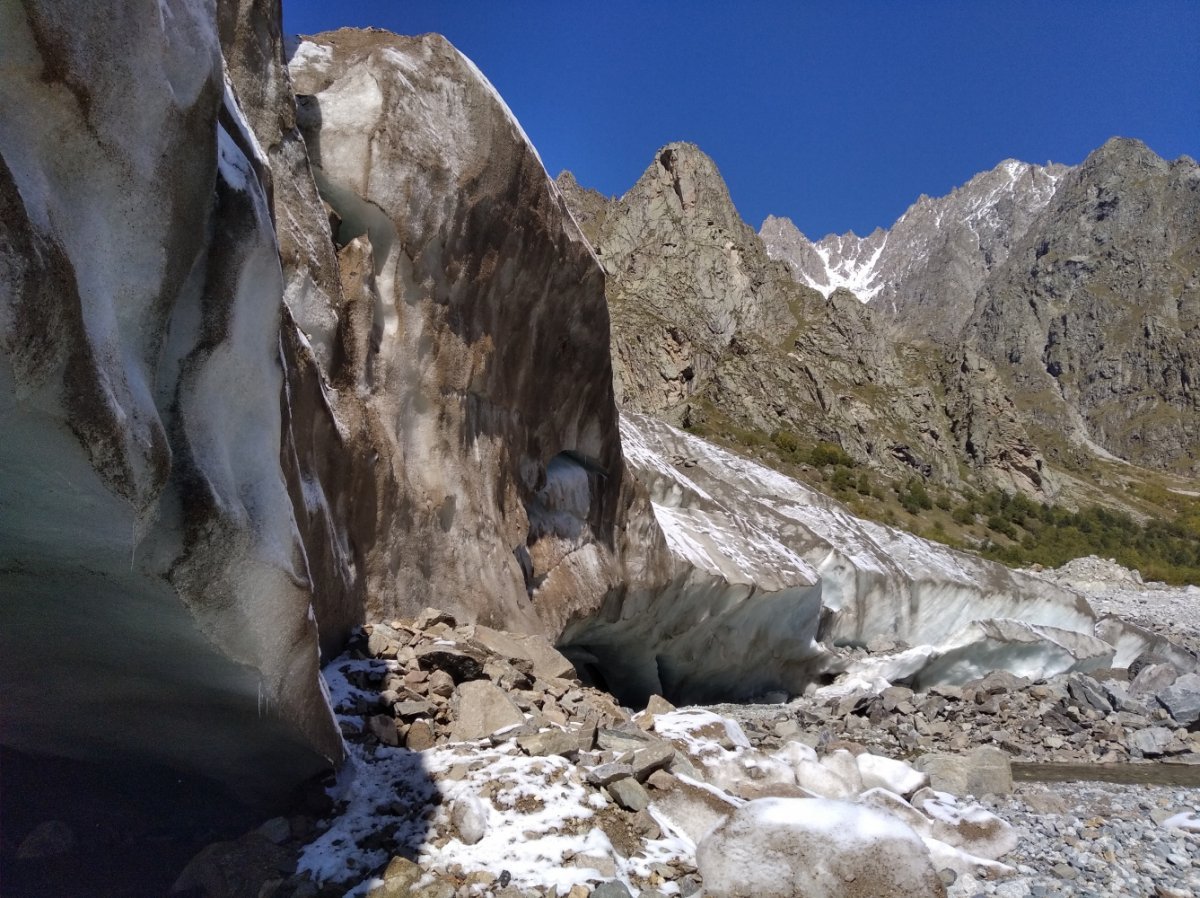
(923,273)
(710,332)
(1078,284)
(1095,316)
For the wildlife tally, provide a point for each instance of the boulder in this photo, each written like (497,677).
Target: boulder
(548,662)
(1182,700)
(886,773)
(984,770)
(469,817)
(689,808)
(1153,678)
(781,847)
(970,828)
(481,708)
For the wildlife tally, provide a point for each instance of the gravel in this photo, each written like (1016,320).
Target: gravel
(1094,839)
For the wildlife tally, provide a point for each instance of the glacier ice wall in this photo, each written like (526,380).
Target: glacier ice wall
(153,588)
(770,575)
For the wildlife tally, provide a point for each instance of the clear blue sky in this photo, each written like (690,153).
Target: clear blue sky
(838,114)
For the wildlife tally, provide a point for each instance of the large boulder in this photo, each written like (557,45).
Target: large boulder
(784,847)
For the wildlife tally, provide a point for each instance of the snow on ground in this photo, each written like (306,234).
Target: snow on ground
(483,808)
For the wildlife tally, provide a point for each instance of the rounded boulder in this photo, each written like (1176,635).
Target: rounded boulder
(815,848)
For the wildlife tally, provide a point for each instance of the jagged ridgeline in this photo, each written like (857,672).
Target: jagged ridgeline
(1036,333)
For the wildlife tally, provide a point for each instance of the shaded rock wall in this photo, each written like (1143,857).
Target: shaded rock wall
(1095,316)
(472,339)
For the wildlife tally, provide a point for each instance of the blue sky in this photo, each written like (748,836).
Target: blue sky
(837,115)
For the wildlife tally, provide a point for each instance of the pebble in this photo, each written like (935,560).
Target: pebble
(1118,852)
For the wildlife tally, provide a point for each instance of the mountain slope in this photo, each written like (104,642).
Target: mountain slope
(710,332)
(1078,284)
(923,273)
(1095,316)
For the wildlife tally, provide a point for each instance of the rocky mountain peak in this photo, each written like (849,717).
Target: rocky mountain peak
(1095,316)
(687,279)
(934,258)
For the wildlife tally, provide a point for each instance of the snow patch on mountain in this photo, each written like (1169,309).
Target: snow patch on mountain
(989,207)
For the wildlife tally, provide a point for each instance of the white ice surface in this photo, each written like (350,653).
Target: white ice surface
(746,526)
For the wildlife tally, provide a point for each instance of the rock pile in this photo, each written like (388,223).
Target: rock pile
(482,767)
(1071,719)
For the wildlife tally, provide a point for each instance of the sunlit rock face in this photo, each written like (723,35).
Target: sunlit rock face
(771,575)
(471,342)
(153,586)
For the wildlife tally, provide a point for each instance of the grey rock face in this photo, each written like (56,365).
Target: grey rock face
(1095,316)
(708,330)
(686,277)
(1080,286)
(923,273)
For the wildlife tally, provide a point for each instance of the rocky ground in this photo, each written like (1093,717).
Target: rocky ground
(483,768)
(1172,611)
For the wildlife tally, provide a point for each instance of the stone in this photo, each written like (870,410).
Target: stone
(1150,742)
(384,641)
(420,736)
(644,761)
(886,773)
(821,780)
(782,848)
(604,774)
(602,864)
(441,683)
(971,828)
(399,878)
(614,888)
(460,663)
(981,771)
(553,742)
(50,838)
(547,662)
(469,817)
(656,704)
(481,708)
(1152,679)
(410,709)
(1087,692)
(431,617)
(893,805)
(629,794)
(383,728)
(693,810)
(621,741)
(1182,699)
